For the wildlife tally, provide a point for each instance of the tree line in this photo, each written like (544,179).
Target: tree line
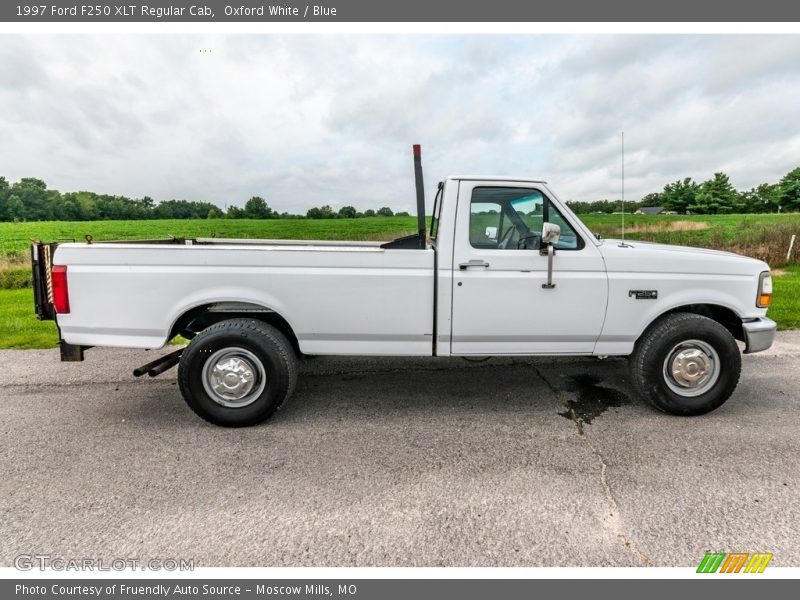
(713,197)
(29,199)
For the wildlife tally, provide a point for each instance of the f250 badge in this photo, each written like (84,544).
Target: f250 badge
(644,294)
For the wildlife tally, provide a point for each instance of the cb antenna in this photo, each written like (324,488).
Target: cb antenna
(623,185)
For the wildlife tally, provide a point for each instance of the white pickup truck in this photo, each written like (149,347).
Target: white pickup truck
(505,269)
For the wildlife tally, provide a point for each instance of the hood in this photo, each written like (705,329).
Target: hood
(671,248)
(634,255)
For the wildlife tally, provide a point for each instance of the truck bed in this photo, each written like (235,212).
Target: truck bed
(376,300)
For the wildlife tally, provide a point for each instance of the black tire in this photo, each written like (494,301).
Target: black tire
(256,349)
(658,354)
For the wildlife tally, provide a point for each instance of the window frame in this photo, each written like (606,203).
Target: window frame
(436,214)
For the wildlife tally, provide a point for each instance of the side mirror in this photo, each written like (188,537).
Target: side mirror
(550,233)
(491,233)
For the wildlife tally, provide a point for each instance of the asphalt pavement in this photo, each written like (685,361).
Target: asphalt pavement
(398,462)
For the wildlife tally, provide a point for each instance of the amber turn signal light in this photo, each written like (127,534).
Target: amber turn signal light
(764,298)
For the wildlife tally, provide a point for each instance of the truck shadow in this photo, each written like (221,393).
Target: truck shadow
(573,388)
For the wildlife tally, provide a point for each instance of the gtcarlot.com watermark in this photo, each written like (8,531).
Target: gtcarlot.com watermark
(43,562)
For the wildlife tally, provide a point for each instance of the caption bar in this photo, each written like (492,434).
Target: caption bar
(467,11)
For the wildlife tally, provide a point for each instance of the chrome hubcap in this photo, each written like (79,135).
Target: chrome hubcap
(691,368)
(234,377)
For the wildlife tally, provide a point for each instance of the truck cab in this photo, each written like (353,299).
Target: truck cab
(501,300)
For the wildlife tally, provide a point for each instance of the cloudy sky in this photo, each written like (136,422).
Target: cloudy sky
(329,119)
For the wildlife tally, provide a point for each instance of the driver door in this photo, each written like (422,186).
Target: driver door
(499,304)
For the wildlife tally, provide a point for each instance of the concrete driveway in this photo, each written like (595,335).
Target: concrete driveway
(386,462)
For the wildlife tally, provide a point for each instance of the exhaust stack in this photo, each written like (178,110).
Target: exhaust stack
(420,195)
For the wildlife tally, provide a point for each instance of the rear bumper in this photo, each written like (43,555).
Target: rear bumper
(758,334)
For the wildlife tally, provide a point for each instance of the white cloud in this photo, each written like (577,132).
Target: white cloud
(306,120)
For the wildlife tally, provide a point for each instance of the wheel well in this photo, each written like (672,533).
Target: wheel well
(722,315)
(195,320)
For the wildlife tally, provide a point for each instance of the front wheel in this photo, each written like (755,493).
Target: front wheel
(237,372)
(686,364)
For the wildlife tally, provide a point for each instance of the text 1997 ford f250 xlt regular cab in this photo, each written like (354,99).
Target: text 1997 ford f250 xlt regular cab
(505,269)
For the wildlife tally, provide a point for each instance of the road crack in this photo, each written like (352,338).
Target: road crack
(612,519)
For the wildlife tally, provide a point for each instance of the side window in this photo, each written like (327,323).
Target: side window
(506,218)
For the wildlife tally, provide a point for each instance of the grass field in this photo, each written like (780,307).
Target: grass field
(786,300)
(762,236)
(19,327)
(706,230)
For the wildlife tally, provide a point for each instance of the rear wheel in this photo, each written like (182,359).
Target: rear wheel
(686,364)
(237,372)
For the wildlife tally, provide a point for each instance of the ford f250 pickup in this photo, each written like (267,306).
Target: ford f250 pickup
(504,268)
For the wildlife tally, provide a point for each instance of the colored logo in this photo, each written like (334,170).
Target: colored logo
(734,562)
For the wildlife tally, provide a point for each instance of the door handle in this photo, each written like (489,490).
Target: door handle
(473,263)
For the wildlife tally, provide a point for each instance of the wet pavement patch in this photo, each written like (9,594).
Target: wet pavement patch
(591,398)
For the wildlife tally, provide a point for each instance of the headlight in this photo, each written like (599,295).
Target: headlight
(764,298)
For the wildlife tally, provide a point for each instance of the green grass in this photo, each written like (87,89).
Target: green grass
(19,327)
(726,222)
(786,298)
(742,232)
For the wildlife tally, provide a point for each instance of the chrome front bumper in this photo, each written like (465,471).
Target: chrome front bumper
(758,334)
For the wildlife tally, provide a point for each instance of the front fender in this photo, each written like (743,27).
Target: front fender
(628,316)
